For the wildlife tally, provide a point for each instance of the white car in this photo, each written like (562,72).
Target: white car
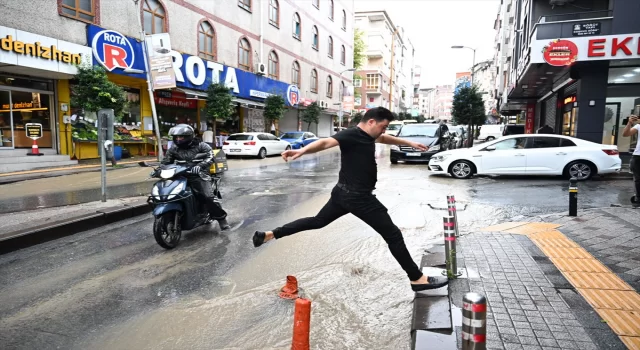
(532,154)
(257,144)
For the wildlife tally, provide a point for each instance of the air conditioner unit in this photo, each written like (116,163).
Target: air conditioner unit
(261,69)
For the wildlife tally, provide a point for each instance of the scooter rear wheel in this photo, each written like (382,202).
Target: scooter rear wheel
(167,230)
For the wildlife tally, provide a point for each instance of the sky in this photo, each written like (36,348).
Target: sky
(433,26)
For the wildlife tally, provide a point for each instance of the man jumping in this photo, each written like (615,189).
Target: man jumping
(354,191)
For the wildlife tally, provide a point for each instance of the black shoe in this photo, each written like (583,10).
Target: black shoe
(224,225)
(434,283)
(258,238)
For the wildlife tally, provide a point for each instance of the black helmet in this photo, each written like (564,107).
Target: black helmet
(185,131)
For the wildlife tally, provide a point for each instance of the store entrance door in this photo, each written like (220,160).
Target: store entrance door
(611,126)
(6,121)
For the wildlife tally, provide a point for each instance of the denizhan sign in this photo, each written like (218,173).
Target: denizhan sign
(123,55)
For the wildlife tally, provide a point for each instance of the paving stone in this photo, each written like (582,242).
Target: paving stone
(548,342)
(431,313)
(528,340)
(425,340)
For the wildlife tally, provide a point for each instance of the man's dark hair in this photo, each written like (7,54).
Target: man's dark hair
(378,114)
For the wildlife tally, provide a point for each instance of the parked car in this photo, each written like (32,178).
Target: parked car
(513,129)
(490,132)
(257,144)
(530,154)
(298,139)
(436,137)
(458,136)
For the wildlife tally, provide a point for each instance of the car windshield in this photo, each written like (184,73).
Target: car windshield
(409,130)
(394,126)
(291,135)
(240,137)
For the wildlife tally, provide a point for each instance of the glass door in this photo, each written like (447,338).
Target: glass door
(611,127)
(6,120)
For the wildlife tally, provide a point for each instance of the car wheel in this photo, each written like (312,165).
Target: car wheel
(394,161)
(490,138)
(461,169)
(580,169)
(262,154)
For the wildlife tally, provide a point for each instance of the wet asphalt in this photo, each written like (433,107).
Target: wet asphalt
(115,288)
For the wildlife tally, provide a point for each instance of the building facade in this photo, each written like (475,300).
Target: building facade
(576,67)
(442,102)
(389,54)
(256,47)
(484,79)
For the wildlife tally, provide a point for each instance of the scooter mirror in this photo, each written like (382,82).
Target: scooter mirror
(143,164)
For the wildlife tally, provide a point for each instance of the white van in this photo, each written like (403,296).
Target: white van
(490,132)
(394,126)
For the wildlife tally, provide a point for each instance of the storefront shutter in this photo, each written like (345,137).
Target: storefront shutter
(550,107)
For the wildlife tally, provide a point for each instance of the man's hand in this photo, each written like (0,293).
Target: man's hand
(195,170)
(292,153)
(633,119)
(419,146)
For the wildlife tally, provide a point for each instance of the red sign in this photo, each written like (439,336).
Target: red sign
(560,53)
(601,47)
(175,101)
(530,119)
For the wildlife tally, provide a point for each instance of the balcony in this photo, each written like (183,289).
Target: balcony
(375,53)
(373,90)
(562,26)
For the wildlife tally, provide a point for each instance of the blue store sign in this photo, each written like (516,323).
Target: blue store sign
(120,54)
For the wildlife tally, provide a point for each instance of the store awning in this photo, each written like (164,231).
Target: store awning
(248,103)
(193,94)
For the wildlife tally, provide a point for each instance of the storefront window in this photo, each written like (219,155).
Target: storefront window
(18,108)
(132,110)
(623,99)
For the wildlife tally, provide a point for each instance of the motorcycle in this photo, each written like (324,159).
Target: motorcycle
(175,207)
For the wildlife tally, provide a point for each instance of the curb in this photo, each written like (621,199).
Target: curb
(40,234)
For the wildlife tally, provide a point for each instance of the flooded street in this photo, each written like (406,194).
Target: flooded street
(115,288)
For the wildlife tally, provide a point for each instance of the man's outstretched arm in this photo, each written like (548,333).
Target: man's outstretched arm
(392,140)
(313,147)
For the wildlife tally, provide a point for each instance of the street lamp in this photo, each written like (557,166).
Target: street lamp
(474,58)
(341,112)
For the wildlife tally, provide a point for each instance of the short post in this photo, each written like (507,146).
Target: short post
(573,197)
(474,322)
(451,207)
(301,324)
(450,246)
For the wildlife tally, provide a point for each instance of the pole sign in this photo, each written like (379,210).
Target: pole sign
(160,61)
(33,130)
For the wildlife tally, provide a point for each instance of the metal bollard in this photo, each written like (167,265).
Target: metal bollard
(474,322)
(451,207)
(450,246)
(573,197)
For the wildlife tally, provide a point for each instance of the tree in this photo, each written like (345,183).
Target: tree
(274,109)
(356,118)
(468,109)
(311,114)
(218,105)
(94,91)
(359,48)
(420,118)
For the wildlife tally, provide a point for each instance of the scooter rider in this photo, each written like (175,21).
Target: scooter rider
(185,147)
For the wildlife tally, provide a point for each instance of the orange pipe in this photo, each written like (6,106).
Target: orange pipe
(301,324)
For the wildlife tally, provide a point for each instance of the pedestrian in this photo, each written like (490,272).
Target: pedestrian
(633,128)
(354,191)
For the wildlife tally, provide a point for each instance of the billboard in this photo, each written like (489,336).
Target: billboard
(463,79)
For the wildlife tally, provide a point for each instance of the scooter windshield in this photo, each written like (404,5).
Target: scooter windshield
(167,173)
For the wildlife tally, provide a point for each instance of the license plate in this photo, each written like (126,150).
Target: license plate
(235,150)
(414,154)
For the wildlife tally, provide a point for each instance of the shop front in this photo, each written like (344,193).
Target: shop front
(34,70)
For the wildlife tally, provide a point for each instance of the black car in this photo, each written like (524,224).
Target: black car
(435,136)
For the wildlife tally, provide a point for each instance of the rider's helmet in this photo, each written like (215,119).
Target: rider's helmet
(185,131)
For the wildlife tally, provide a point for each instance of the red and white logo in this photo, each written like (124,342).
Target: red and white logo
(560,53)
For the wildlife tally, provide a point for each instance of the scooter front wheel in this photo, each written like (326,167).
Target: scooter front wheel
(167,230)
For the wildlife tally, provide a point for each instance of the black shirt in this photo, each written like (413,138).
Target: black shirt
(358,168)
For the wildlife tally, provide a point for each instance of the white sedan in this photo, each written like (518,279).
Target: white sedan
(534,154)
(257,144)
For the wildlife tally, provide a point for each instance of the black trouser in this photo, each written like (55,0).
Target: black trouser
(367,208)
(635,168)
(203,191)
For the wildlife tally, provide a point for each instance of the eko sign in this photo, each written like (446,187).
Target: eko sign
(123,55)
(592,48)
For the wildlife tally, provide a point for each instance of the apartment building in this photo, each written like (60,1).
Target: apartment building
(574,67)
(300,49)
(442,102)
(484,79)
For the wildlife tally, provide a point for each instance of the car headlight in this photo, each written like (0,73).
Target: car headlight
(434,148)
(176,190)
(395,148)
(440,158)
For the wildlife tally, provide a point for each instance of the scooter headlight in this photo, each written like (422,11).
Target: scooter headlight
(176,191)
(168,173)
(155,192)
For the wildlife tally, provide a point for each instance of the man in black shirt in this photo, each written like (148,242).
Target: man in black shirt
(354,191)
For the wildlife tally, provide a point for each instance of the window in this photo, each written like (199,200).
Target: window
(263,137)
(510,144)
(297,26)
(273,65)
(342,91)
(84,10)
(316,3)
(155,19)
(544,142)
(274,13)
(331,8)
(295,74)
(330,47)
(373,81)
(344,20)
(343,55)
(206,41)
(245,4)
(316,37)
(244,54)
(314,81)
(567,143)
(329,86)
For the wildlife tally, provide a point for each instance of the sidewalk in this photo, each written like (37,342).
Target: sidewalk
(556,282)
